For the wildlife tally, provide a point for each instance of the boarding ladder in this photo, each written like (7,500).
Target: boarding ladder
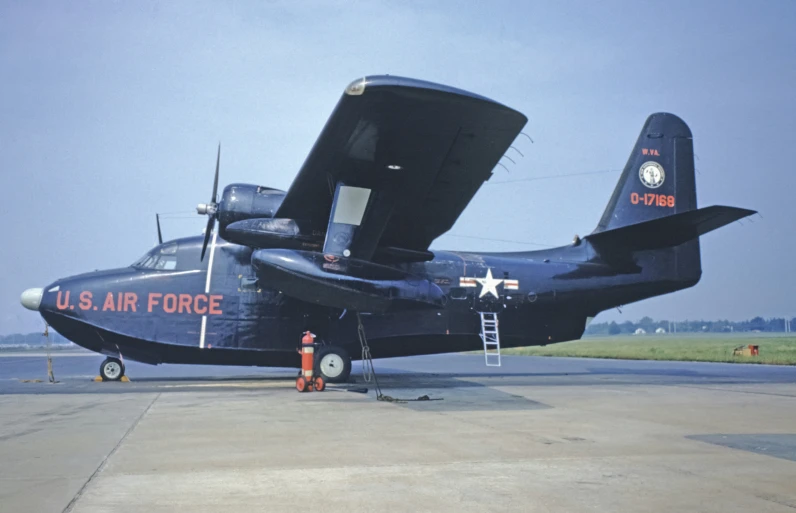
(491,337)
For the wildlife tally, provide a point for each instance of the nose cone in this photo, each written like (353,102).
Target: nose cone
(31,299)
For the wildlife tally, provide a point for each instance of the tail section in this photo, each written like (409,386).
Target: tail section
(658,179)
(652,224)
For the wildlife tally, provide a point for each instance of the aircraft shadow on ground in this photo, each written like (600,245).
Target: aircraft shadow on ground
(211,379)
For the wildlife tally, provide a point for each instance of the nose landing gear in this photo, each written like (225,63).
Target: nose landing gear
(112,369)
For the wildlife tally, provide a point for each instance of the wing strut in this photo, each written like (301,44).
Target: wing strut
(368,370)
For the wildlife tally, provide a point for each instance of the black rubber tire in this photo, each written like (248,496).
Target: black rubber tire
(104,375)
(343,354)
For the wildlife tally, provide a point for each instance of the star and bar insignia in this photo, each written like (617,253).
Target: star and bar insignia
(489,284)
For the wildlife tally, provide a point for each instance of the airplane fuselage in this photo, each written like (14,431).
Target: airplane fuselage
(185,311)
(393,168)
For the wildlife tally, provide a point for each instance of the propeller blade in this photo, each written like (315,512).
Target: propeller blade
(210,209)
(160,235)
(210,225)
(215,183)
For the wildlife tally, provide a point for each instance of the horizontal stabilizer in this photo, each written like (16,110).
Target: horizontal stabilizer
(668,231)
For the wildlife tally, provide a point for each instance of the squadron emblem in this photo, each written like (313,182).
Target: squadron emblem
(651,174)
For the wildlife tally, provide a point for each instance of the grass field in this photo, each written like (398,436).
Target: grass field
(779,350)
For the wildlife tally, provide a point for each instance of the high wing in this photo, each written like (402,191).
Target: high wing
(396,164)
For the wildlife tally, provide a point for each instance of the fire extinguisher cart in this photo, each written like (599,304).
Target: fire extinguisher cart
(307,381)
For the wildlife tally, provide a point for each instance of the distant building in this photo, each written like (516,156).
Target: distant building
(640,331)
(660,331)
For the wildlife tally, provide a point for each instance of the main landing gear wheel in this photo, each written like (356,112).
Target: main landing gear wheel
(333,364)
(112,369)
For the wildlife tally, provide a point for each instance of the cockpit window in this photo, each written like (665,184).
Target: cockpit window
(161,258)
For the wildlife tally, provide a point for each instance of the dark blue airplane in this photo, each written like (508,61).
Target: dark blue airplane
(394,167)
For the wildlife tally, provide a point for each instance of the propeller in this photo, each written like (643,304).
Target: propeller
(160,235)
(211,208)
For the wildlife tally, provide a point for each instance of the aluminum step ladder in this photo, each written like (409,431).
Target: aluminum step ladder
(491,337)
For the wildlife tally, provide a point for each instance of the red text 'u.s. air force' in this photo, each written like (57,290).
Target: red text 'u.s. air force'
(201,304)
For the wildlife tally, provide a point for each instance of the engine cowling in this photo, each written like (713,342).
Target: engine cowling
(274,233)
(241,201)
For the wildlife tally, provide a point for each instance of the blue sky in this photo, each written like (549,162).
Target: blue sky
(111,111)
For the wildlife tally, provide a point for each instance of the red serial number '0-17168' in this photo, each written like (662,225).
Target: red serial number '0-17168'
(202,304)
(652,200)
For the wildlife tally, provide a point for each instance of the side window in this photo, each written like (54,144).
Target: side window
(166,263)
(458,293)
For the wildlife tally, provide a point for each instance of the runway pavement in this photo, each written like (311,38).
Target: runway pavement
(538,434)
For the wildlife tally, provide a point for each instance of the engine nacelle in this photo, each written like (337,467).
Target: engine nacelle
(274,233)
(241,201)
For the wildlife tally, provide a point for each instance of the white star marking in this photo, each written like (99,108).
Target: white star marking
(489,284)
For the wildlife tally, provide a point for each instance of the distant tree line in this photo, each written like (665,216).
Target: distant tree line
(649,325)
(32,340)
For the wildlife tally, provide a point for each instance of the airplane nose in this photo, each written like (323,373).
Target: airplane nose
(31,299)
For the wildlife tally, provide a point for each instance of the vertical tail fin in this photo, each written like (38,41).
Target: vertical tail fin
(658,179)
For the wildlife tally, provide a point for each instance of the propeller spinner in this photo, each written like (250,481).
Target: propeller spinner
(211,208)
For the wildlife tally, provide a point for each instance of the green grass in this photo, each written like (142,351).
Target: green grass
(778,350)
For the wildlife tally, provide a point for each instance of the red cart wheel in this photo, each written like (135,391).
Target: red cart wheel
(320,384)
(301,384)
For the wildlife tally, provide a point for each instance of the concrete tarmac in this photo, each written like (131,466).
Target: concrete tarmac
(538,434)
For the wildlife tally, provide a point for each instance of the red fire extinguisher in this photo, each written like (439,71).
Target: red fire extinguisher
(307,381)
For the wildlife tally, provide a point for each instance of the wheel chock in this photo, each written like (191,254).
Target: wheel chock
(124,379)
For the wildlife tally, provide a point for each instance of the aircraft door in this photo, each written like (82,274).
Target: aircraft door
(488,294)
(265,319)
(251,318)
(488,303)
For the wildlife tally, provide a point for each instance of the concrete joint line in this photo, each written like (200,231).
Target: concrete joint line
(753,392)
(104,462)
